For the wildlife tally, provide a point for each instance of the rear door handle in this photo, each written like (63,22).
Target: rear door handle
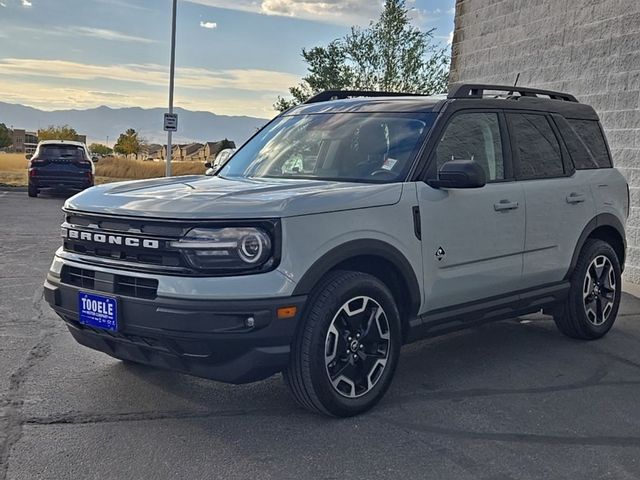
(505,205)
(574,197)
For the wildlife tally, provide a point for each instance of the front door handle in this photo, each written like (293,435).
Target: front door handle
(574,197)
(505,205)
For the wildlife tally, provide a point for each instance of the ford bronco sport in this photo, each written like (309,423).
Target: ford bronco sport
(346,227)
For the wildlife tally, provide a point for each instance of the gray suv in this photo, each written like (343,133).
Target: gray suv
(345,228)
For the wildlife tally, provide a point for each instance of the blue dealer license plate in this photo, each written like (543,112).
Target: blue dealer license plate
(98,311)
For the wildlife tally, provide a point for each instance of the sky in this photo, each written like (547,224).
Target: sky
(233,57)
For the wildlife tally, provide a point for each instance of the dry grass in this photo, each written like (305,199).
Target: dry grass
(13,162)
(124,169)
(13,169)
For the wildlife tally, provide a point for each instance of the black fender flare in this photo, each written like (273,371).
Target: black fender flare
(359,248)
(601,220)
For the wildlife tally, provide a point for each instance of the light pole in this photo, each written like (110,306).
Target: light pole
(171,74)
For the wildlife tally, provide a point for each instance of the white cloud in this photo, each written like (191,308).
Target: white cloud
(450,38)
(2,4)
(152,74)
(124,4)
(26,3)
(209,25)
(341,12)
(74,31)
(105,34)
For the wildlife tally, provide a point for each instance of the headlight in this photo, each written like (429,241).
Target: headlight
(226,248)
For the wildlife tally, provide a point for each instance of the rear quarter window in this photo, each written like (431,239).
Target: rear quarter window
(592,139)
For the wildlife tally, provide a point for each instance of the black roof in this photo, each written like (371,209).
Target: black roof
(461,97)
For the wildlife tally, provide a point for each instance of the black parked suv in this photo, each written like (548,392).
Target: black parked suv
(60,164)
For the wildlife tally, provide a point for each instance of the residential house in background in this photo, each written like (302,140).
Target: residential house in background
(211,149)
(190,152)
(175,152)
(153,151)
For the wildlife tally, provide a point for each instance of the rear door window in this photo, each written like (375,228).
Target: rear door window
(535,146)
(590,133)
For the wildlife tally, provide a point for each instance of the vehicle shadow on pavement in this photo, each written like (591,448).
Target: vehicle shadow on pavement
(56,194)
(526,357)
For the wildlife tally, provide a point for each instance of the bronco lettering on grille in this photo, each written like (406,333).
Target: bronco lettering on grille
(112,239)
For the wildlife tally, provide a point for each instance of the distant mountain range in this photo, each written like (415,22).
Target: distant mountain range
(98,123)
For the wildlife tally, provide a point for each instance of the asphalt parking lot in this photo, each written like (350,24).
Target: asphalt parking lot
(510,400)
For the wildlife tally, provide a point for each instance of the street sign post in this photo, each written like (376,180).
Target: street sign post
(171,76)
(170,122)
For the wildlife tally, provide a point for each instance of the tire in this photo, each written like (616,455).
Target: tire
(346,349)
(32,191)
(594,297)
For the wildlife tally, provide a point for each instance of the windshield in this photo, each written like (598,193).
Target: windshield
(353,147)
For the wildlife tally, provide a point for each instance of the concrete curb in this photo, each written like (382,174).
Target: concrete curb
(11,188)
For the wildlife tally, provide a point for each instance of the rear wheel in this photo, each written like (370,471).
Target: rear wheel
(346,350)
(594,298)
(32,191)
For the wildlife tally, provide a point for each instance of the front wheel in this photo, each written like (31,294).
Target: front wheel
(594,298)
(346,350)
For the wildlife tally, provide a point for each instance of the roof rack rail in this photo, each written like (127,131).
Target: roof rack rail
(342,94)
(473,90)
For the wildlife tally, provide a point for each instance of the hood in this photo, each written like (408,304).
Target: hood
(201,197)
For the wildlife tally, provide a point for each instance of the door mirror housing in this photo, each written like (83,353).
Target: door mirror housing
(208,165)
(28,156)
(459,174)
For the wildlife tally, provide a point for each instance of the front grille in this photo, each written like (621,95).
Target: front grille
(164,258)
(109,283)
(114,251)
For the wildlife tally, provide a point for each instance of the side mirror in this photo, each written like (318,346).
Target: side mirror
(460,174)
(28,156)
(208,165)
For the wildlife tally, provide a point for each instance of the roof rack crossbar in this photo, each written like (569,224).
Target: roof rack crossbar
(342,94)
(472,90)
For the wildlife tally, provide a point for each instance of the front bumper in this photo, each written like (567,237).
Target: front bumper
(205,338)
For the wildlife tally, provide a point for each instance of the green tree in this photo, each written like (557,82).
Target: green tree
(59,132)
(129,143)
(100,149)
(389,55)
(5,137)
